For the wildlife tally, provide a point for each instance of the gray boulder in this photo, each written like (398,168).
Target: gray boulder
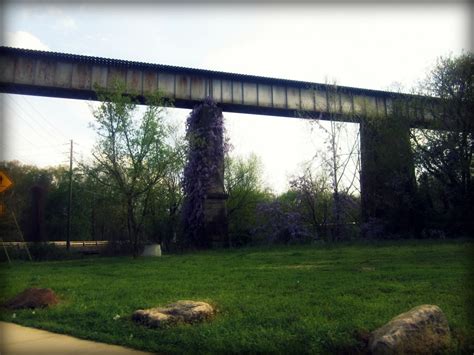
(422,330)
(178,312)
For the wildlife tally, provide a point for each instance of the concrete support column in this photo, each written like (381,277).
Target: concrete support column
(387,177)
(215,219)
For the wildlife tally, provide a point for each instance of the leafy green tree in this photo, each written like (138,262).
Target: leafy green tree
(443,154)
(163,221)
(243,182)
(241,178)
(132,154)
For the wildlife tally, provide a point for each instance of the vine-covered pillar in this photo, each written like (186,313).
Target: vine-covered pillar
(215,209)
(387,177)
(204,210)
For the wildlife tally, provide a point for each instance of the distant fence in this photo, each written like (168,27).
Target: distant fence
(89,246)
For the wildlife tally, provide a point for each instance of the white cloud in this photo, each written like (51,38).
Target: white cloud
(61,20)
(22,39)
(67,23)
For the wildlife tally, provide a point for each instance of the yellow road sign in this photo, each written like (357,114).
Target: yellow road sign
(5,182)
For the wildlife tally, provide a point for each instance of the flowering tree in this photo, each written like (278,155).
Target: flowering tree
(313,199)
(280,224)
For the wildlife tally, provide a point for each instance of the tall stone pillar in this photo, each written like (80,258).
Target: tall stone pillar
(215,209)
(205,211)
(387,177)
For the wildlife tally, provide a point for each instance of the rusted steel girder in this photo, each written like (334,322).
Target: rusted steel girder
(33,72)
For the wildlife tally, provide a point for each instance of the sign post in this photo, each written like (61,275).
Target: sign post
(5,182)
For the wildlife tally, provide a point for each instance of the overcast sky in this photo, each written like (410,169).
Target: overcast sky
(360,45)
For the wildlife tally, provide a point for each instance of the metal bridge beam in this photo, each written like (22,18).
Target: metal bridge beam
(62,75)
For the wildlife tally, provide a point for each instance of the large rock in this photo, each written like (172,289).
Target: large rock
(32,298)
(178,312)
(422,330)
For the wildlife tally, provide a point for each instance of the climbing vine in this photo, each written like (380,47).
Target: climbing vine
(206,149)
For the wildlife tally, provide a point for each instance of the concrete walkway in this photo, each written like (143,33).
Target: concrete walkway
(19,340)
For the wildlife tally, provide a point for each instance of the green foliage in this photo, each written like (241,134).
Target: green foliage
(312,195)
(243,182)
(309,299)
(443,155)
(132,154)
(139,167)
(54,182)
(162,223)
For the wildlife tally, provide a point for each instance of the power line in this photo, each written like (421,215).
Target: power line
(47,147)
(34,149)
(42,117)
(33,120)
(37,130)
(42,131)
(33,152)
(39,113)
(24,120)
(26,139)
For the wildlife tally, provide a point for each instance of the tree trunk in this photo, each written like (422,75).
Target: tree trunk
(133,234)
(337,215)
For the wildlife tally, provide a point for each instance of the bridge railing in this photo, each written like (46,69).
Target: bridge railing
(76,245)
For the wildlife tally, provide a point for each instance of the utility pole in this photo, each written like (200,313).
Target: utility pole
(68,240)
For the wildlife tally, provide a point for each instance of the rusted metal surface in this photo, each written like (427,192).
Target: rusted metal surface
(74,76)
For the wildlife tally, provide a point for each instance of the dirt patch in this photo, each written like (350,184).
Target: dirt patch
(33,298)
(302,266)
(320,265)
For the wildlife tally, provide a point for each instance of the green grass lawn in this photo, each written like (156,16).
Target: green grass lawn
(297,299)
